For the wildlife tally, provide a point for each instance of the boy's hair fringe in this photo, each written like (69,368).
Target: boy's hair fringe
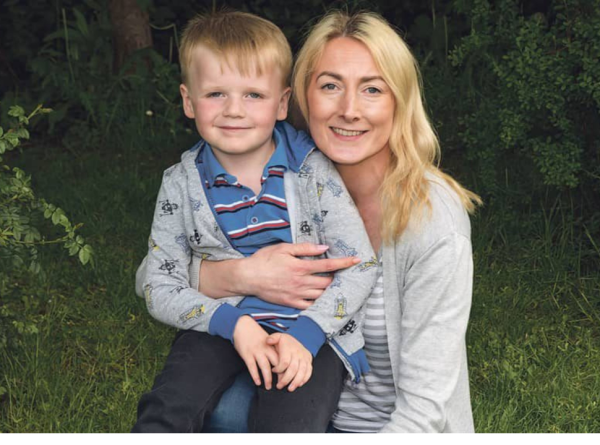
(244,41)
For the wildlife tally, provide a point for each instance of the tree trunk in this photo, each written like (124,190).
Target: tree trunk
(131,29)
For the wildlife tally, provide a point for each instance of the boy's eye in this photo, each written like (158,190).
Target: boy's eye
(215,94)
(254,95)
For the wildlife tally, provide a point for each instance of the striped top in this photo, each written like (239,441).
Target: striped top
(367,406)
(250,221)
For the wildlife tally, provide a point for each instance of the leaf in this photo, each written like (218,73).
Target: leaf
(81,23)
(56,216)
(34,267)
(60,34)
(22,133)
(12,139)
(85,254)
(16,111)
(73,249)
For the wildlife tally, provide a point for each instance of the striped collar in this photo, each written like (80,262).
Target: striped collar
(215,173)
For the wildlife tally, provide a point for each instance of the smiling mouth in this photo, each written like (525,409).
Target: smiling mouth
(347,133)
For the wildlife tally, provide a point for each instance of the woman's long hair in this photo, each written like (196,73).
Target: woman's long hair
(413,142)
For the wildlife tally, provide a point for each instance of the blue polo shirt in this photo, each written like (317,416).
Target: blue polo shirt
(252,222)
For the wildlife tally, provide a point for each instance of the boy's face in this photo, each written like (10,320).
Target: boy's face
(235,114)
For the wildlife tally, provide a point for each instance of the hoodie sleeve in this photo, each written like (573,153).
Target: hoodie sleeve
(164,277)
(339,225)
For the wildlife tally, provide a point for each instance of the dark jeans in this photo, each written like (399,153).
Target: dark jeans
(200,367)
(231,414)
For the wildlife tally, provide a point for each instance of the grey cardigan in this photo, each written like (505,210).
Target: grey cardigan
(427,280)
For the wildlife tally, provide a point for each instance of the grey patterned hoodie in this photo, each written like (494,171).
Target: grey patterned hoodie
(321,211)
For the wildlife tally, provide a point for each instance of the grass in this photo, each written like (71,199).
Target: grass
(533,337)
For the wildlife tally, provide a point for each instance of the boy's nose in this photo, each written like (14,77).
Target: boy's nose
(234,108)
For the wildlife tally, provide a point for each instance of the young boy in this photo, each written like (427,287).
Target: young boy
(249,183)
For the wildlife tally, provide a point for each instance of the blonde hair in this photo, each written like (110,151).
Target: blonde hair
(413,143)
(243,40)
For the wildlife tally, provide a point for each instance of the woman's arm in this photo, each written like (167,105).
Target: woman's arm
(275,274)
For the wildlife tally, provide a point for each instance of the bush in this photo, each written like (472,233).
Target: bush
(529,86)
(22,228)
(94,106)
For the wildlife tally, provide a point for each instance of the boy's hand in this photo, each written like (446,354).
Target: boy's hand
(250,341)
(295,362)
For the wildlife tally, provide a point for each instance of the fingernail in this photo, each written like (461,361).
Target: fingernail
(356,260)
(322,247)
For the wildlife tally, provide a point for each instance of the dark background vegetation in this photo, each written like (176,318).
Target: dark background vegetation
(513,89)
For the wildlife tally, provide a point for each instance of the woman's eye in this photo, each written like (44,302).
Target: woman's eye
(373,90)
(328,86)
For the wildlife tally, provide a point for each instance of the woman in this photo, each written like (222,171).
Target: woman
(358,88)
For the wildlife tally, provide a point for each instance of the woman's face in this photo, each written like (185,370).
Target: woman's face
(350,107)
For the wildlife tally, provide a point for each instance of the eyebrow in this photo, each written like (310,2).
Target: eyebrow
(340,77)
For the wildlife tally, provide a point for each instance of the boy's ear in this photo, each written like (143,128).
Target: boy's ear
(188,109)
(282,112)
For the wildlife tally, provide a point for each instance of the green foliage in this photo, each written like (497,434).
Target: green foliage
(93,105)
(530,89)
(21,222)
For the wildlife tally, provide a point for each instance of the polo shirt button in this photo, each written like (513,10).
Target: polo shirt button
(245,198)
(254,220)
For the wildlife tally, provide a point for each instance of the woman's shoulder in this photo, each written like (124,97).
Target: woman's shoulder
(445,216)
(448,213)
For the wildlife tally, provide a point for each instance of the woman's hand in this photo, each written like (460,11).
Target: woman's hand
(277,275)
(274,274)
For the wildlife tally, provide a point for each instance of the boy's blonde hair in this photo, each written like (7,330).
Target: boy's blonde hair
(244,41)
(413,142)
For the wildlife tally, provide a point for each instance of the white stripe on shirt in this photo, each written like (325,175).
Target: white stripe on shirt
(367,406)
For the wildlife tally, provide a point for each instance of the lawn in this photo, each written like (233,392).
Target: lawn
(533,338)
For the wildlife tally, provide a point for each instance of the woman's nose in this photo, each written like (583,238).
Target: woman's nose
(350,107)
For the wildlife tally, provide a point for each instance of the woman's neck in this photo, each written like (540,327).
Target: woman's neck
(364,179)
(363,182)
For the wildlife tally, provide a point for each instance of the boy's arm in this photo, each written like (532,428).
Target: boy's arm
(165,281)
(341,227)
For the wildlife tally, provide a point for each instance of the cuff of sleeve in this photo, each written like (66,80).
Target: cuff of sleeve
(140,276)
(309,333)
(195,272)
(224,320)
